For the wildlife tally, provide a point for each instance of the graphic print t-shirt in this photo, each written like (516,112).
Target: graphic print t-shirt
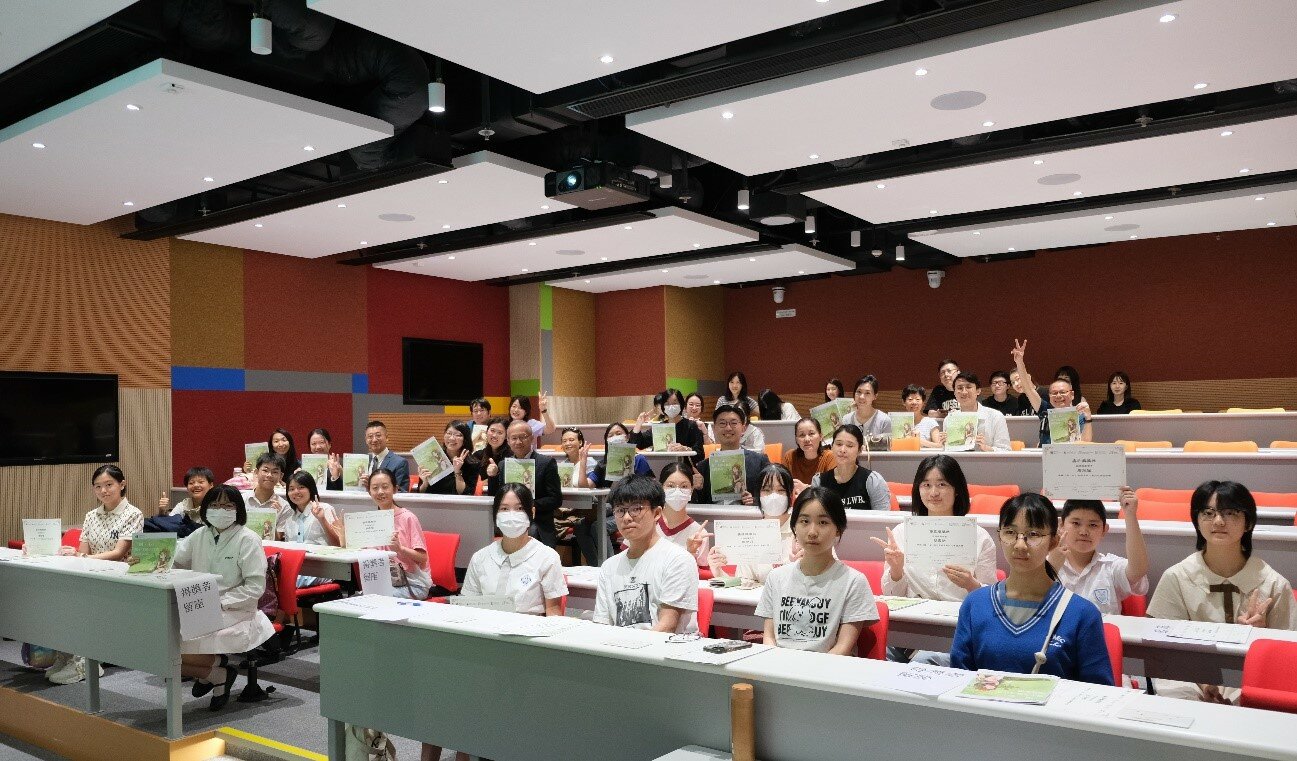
(631,591)
(808,610)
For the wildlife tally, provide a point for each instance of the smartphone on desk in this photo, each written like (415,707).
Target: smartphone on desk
(726,646)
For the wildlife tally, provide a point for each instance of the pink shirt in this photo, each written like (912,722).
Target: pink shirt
(411,533)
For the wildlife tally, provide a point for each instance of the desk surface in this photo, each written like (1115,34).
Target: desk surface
(841,691)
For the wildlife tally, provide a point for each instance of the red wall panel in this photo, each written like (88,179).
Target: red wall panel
(404,305)
(210,427)
(630,342)
(312,303)
(1185,308)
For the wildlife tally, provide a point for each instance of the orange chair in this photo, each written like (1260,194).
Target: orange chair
(709,448)
(441,559)
(1281,444)
(873,570)
(1157,412)
(1131,446)
(1255,410)
(899,490)
(873,638)
(1267,676)
(1135,605)
(986,504)
(892,502)
(1275,499)
(1000,490)
(706,601)
(1221,446)
(1017,446)
(907,444)
(775,452)
(1153,510)
(1164,495)
(1112,638)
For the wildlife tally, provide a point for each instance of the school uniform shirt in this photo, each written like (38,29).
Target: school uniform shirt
(753,438)
(1000,634)
(1102,582)
(938,586)
(924,428)
(753,463)
(878,424)
(865,490)
(680,535)
(236,557)
(1007,407)
(630,591)
(303,526)
(102,530)
(758,572)
(188,509)
(411,534)
(1108,408)
(805,470)
(531,575)
(808,610)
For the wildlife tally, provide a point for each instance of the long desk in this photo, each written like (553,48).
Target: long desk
(104,615)
(324,561)
(1177,428)
(447,685)
(930,625)
(1274,471)
(1265,516)
(1168,542)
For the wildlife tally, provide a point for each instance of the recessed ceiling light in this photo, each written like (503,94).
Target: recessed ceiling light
(1108,217)
(209,179)
(801,272)
(544,207)
(727,114)
(716,282)
(1078,194)
(132,107)
(308,147)
(1011,248)
(751,259)
(1200,86)
(664,271)
(1167,18)
(814,156)
(1133,237)
(128,203)
(451,257)
(532,243)
(881,185)
(445,227)
(698,245)
(627,227)
(524,269)
(587,281)
(1227,133)
(988,124)
(258,225)
(1259,198)
(38,145)
(442,182)
(605,58)
(920,72)
(932,211)
(1038,162)
(1244,170)
(1269,224)
(342,206)
(977,232)
(364,243)
(603,258)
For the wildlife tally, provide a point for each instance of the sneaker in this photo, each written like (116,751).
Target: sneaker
(73,672)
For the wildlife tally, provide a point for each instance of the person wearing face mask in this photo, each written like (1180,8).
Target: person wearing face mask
(517,565)
(549,488)
(776,492)
(675,524)
(230,550)
(616,433)
(687,438)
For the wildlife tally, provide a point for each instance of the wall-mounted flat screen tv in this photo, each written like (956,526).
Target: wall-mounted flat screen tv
(55,418)
(440,372)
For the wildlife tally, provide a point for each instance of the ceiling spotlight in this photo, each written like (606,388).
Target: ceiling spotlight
(664,271)
(810,224)
(716,282)
(1167,18)
(698,245)
(544,207)
(605,58)
(1200,86)
(900,253)
(1038,162)
(587,281)
(442,182)
(1078,194)
(988,124)
(524,269)
(262,40)
(855,239)
(727,114)
(1133,237)
(364,243)
(977,232)
(128,203)
(751,259)
(1011,248)
(814,156)
(532,243)
(603,258)
(1259,198)
(342,206)
(1108,217)
(1227,133)
(258,225)
(452,257)
(876,253)
(209,179)
(666,181)
(627,227)
(445,227)
(881,185)
(932,212)
(308,148)
(1269,224)
(437,97)
(38,145)
(1244,170)
(132,107)
(920,72)
(744,198)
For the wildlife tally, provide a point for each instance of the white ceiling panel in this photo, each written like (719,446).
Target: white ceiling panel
(1212,154)
(786,262)
(1091,58)
(483,188)
(1257,208)
(670,231)
(161,132)
(545,46)
(29,26)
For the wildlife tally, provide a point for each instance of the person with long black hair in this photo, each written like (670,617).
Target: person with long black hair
(1119,401)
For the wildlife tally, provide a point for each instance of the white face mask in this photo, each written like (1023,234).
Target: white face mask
(678,498)
(774,504)
(672,410)
(220,519)
(512,523)
(618,439)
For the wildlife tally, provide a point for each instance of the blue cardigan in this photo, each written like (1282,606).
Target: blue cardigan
(986,639)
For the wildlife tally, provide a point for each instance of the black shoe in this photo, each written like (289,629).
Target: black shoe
(201,687)
(219,701)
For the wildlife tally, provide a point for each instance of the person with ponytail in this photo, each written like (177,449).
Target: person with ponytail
(1030,623)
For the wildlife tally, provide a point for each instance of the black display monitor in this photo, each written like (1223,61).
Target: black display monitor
(440,372)
(56,418)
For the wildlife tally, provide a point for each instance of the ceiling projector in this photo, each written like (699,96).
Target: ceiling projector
(597,185)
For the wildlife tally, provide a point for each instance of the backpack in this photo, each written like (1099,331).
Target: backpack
(269,602)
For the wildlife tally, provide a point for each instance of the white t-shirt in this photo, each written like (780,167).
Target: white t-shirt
(1103,582)
(808,610)
(941,587)
(680,535)
(630,591)
(304,526)
(532,575)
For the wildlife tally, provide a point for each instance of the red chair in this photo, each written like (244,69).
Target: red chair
(1161,511)
(290,595)
(1135,605)
(1164,495)
(15,544)
(986,504)
(1267,676)
(705,573)
(873,638)
(441,559)
(1112,638)
(72,537)
(899,490)
(1003,491)
(1275,499)
(706,601)
(873,570)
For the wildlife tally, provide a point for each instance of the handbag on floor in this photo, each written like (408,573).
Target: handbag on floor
(367,745)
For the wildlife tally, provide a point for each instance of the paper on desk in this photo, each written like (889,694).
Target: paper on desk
(393,613)
(1090,700)
(1138,710)
(693,652)
(1034,689)
(929,681)
(365,602)
(535,626)
(945,608)
(485,602)
(42,535)
(631,639)
(901,603)
(1204,634)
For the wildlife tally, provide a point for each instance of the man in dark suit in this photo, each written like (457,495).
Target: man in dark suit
(382,457)
(729,422)
(548,490)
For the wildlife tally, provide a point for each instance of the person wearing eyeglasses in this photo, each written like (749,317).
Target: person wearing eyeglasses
(1223,581)
(653,584)
(992,429)
(999,399)
(1061,394)
(730,423)
(1030,623)
(549,488)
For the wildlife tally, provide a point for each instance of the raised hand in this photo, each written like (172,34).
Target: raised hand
(542,400)
(163,503)
(335,466)
(316,510)
(892,554)
(425,474)
(1084,409)
(491,468)
(458,462)
(1019,351)
(797,488)
(1255,609)
(747,498)
(696,541)
(716,560)
(1129,502)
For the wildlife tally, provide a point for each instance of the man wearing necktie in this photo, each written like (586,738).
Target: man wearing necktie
(382,457)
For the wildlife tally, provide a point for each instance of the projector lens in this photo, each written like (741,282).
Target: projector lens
(570,180)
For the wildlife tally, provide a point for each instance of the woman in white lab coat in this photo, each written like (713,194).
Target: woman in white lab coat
(224,546)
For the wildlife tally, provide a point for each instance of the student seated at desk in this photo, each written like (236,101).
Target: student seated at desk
(455,441)
(817,603)
(1030,623)
(197,481)
(228,548)
(992,429)
(1061,394)
(616,433)
(577,452)
(491,457)
(809,458)
(517,565)
(321,442)
(940,489)
(1100,577)
(863,414)
(777,488)
(307,519)
(670,404)
(729,424)
(1223,581)
(267,476)
(410,577)
(654,583)
(675,524)
(106,534)
(858,488)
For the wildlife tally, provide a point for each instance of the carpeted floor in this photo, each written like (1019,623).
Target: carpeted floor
(291,715)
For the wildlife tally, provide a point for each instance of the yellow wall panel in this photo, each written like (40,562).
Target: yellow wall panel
(695,333)
(207,308)
(574,343)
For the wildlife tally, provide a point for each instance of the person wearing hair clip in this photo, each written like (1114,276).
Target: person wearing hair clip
(1030,623)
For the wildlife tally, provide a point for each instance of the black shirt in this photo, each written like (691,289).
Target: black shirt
(1008,407)
(940,395)
(1024,404)
(1108,408)
(854,493)
(687,433)
(446,485)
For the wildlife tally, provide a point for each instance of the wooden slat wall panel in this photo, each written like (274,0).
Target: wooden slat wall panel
(63,491)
